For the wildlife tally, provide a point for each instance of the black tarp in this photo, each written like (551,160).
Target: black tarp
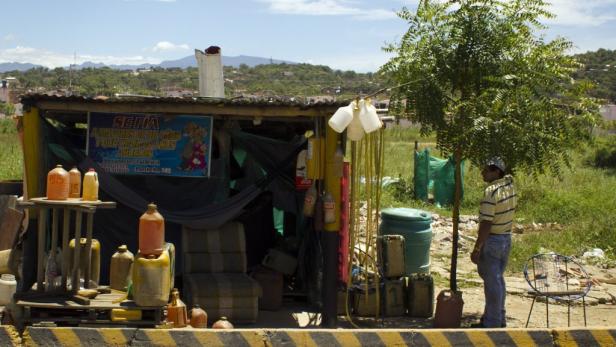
(199,202)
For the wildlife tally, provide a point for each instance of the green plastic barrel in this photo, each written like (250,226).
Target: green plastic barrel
(414,225)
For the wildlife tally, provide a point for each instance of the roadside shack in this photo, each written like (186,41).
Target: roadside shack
(223,173)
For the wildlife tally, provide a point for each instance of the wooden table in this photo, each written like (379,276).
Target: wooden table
(62,310)
(79,207)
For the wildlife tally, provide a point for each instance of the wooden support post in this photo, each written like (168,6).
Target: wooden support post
(65,247)
(54,242)
(75,272)
(54,230)
(40,254)
(89,226)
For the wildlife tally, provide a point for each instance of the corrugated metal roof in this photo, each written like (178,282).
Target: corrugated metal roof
(32,99)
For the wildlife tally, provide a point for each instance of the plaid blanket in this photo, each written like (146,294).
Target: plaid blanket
(228,238)
(215,263)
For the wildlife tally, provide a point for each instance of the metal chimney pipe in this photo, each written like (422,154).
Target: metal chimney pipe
(211,81)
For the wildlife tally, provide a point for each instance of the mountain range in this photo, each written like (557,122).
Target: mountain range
(183,63)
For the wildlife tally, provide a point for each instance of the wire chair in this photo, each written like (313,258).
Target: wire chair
(556,277)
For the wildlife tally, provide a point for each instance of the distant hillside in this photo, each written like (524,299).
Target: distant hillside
(188,61)
(16,66)
(292,80)
(600,67)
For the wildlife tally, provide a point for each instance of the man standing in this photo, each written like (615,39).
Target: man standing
(491,250)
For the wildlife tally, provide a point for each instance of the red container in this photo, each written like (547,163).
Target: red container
(151,232)
(343,249)
(448,309)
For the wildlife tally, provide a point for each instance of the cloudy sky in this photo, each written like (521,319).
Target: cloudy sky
(344,34)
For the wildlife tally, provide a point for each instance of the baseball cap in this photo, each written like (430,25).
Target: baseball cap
(498,162)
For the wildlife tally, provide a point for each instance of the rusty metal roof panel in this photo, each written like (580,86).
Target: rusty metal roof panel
(32,99)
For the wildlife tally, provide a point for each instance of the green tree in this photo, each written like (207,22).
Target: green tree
(478,74)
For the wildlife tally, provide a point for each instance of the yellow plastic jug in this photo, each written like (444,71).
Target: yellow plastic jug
(124,314)
(121,268)
(90,186)
(152,279)
(95,263)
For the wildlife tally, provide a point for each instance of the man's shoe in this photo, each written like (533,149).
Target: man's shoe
(478,326)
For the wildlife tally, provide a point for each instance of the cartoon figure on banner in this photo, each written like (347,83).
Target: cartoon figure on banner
(193,154)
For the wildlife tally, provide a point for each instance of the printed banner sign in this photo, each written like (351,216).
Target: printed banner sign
(151,144)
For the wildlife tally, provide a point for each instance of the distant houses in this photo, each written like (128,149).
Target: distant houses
(9,90)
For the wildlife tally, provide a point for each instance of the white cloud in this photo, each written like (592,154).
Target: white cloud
(326,8)
(163,46)
(8,37)
(583,13)
(580,13)
(54,59)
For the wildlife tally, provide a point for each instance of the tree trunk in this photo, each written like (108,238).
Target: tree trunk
(456,218)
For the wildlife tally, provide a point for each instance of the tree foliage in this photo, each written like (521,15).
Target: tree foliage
(478,74)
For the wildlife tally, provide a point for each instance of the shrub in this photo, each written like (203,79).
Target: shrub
(605,155)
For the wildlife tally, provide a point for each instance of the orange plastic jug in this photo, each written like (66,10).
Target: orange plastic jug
(74,178)
(176,310)
(151,232)
(90,186)
(198,317)
(57,184)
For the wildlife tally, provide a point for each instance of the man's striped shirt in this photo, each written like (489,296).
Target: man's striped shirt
(498,205)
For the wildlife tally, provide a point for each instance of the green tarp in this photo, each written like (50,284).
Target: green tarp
(435,175)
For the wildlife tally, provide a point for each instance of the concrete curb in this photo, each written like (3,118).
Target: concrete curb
(9,336)
(43,336)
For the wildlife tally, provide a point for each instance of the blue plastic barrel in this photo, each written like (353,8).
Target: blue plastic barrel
(414,225)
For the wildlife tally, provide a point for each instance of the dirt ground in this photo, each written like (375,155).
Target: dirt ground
(600,301)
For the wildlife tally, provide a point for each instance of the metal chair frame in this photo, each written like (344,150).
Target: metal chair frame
(546,264)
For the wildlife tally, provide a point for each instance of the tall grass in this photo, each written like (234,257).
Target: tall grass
(582,200)
(11,166)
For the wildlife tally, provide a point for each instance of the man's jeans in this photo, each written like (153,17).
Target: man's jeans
(491,266)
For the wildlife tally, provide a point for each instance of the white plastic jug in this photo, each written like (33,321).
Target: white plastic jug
(8,285)
(368,117)
(341,118)
(355,131)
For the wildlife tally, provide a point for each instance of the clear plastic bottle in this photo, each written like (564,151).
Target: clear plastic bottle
(310,200)
(51,271)
(329,209)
